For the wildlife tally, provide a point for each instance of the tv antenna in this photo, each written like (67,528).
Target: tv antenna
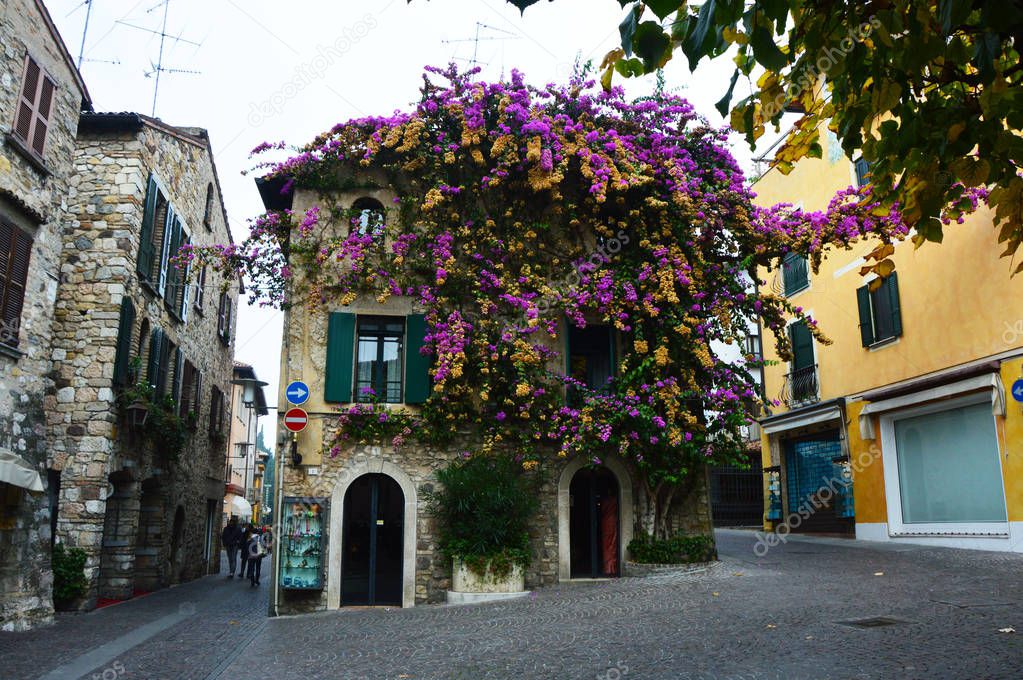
(157,67)
(477,39)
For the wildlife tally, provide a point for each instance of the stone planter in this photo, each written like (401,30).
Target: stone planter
(468,587)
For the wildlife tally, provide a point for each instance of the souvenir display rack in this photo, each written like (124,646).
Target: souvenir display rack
(303,531)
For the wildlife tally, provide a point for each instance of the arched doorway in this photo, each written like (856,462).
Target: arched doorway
(622,483)
(594,524)
(372,550)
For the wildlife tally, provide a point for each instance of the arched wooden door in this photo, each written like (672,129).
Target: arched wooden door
(372,542)
(594,524)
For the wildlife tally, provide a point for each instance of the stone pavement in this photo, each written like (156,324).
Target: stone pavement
(781,616)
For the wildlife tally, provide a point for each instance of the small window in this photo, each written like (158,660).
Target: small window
(176,294)
(368,217)
(32,120)
(880,312)
(15,251)
(378,368)
(217,410)
(795,274)
(862,172)
(211,197)
(591,356)
(224,319)
(200,289)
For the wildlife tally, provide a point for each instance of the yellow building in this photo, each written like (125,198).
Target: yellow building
(905,428)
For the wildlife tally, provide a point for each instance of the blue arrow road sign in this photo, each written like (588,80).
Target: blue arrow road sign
(297,392)
(1017,390)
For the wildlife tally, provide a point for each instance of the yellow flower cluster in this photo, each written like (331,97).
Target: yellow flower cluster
(522,389)
(641,346)
(661,355)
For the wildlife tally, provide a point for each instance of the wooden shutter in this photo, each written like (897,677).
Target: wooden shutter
(165,246)
(197,399)
(164,369)
(144,266)
(892,286)
(417,366)
(866,318)
(200,288)
(153,369)
(179,369)
(122,359)
(15,252)
(214,405)
(32,120)
(340,357)
(182,279)
(187,388)
(802,345)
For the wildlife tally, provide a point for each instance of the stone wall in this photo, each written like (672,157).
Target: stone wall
(320,475)
(32,193)
(100,462)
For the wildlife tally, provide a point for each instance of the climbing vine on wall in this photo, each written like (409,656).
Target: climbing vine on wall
(525,210)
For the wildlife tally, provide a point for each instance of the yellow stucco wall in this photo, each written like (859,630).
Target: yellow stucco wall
(958,304)
(958,300)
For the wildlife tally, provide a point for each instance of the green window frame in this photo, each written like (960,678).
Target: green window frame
(880,311)
(795,272)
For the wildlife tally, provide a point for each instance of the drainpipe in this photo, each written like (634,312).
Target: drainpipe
(278,502)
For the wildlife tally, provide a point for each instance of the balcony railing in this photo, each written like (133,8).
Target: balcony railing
(801,387)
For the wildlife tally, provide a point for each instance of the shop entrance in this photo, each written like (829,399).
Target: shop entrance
(594,524)
(372,542)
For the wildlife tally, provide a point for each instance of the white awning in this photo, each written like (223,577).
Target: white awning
(803,419)
(17,471)
(240,507)
(991,382)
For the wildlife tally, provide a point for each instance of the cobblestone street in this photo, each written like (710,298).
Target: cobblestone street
(785,615)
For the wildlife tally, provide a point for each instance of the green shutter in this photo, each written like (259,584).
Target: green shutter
(179,360)
(802,345)
(153,368)
(122,359)
(892,285)
(144,265)
(340,357)
(866,320)
(417,366)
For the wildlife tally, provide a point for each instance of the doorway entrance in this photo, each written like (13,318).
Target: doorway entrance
(594,524)
(372,542)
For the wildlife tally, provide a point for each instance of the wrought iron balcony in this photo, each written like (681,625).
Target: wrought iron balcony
(801,387)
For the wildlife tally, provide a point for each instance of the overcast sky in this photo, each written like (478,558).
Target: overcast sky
(269,71)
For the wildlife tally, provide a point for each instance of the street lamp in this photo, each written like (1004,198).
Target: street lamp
(249,387)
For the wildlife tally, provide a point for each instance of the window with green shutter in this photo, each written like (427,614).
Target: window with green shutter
(122,358)
(795,273)
(379,363)
(417,365)
(802,345)
(340,357)
(880,311)
(167,238)
(153,367)
(155,209)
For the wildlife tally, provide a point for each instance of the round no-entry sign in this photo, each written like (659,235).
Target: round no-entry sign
(296,419)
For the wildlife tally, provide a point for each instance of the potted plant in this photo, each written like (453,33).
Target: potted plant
(483,505)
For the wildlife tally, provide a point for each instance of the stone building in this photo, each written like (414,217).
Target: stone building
(132,339)
(41,97)
(243,477)
(380,490)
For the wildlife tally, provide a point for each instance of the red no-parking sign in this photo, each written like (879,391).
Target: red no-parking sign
(296,419)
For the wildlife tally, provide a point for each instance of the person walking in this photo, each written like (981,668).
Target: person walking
(243,544)
(256,550)
(231,540)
